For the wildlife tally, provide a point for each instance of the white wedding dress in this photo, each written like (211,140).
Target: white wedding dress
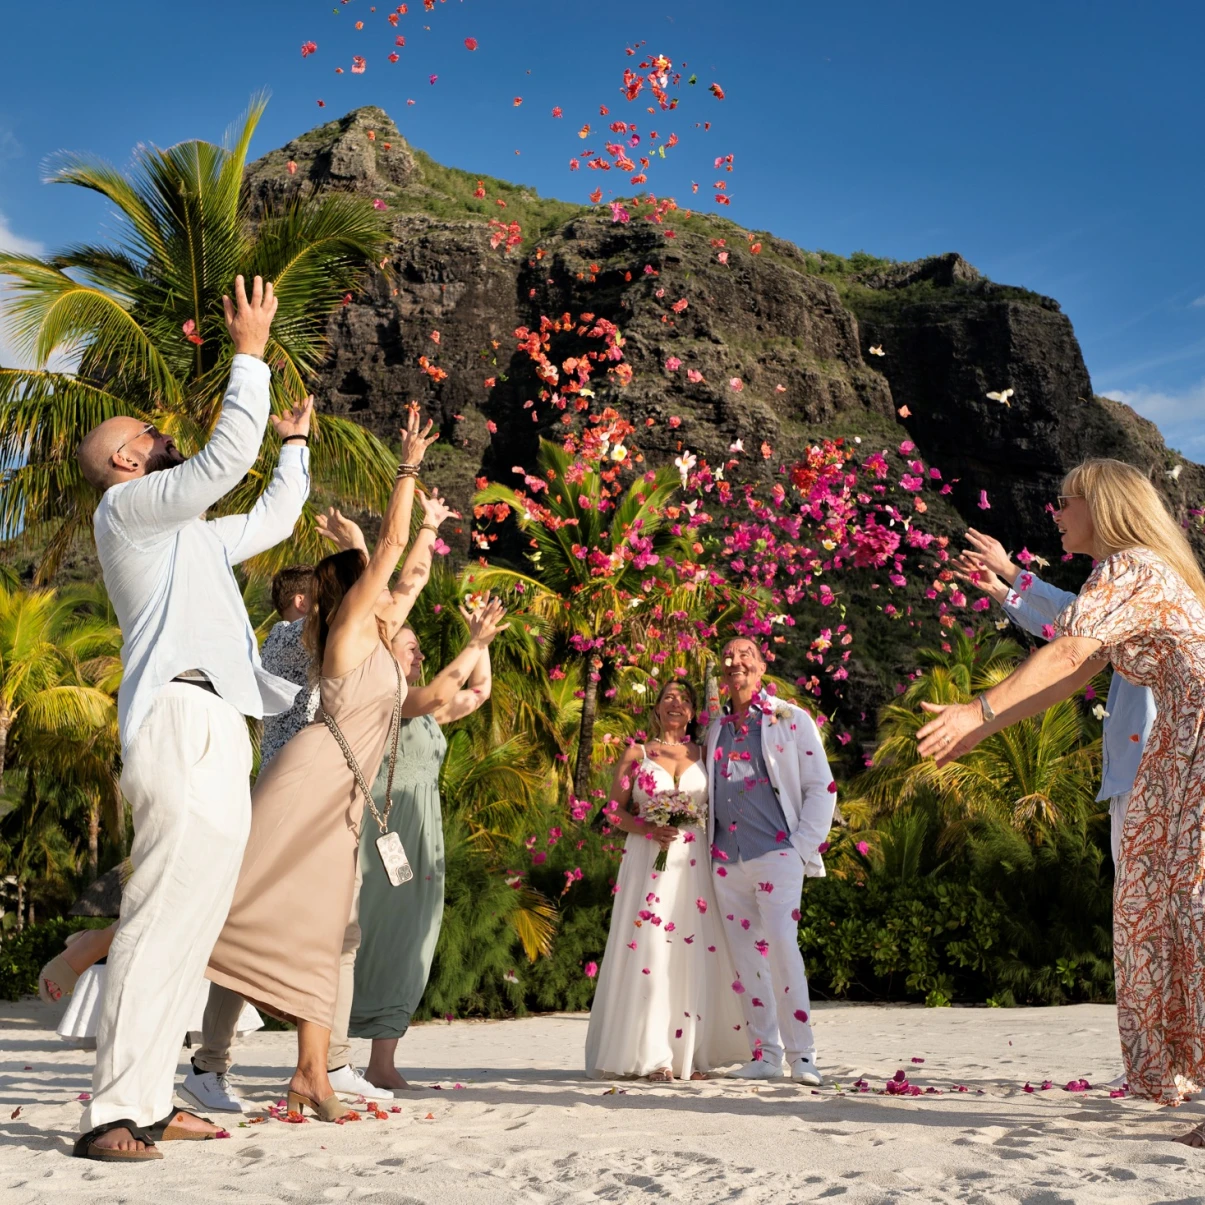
(664,995)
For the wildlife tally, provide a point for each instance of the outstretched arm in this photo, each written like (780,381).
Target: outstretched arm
(1030,602)
(343,532)
(417,569)
(361,601)
(1054,672)
(463,685)
(278,508)
(159,503)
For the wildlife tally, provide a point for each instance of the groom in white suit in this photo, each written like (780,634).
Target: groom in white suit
(772,799)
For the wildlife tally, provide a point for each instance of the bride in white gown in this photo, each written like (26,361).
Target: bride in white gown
(664,1006)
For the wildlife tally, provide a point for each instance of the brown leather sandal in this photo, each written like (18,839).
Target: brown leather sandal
(86,1148)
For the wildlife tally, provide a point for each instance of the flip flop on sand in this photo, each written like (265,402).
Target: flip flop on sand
(86,1148)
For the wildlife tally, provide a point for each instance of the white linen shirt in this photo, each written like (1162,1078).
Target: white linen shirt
(169,572)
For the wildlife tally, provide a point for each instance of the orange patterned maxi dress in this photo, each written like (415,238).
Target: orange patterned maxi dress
(1153,627)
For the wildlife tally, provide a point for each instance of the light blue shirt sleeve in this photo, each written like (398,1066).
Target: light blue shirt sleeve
(274,515)
(1131,713)
(1037,605)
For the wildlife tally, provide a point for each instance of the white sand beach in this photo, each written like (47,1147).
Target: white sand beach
(504,1114)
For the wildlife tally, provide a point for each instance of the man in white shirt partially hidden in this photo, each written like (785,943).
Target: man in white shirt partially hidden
(191,675)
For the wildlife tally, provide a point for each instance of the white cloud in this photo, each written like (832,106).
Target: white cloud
(13,242)
(1200,301)
(1179,416)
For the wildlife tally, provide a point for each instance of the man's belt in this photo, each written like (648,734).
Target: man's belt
(195,678)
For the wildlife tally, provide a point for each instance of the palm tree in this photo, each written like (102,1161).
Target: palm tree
(56,672)
(1035,776)
(593,548)
(143,316)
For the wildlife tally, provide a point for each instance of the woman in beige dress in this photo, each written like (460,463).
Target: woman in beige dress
(281,943)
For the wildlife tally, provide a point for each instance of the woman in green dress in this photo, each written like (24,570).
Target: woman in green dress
(399,926)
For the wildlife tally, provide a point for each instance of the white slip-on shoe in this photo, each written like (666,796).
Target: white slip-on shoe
(211,1091)
(758,1069)
(347,1082)
(803,1071)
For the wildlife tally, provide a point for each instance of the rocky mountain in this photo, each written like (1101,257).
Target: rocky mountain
(797,327)
(783,317)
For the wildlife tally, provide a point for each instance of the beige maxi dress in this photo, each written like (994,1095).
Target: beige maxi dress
(281,943)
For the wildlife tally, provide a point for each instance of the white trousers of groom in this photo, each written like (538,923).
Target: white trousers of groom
(765,894)
(187,777)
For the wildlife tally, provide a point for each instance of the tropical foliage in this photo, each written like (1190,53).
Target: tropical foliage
(592,547)
(986,880)
(59,748)
(141,319)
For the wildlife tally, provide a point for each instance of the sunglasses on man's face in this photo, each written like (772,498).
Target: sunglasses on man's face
(149,429)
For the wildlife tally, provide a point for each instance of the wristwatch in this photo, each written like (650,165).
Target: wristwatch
(986,708)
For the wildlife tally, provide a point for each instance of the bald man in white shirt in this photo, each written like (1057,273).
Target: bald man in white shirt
(191,675)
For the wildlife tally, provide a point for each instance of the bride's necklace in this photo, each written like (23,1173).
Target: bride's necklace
(672,744)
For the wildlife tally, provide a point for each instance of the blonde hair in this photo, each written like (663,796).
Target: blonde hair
(1127,512)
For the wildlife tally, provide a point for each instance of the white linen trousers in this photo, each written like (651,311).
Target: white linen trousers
(187,778)
(759,902)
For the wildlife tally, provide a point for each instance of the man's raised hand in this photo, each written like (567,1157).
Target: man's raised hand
(250,321)
(295,421)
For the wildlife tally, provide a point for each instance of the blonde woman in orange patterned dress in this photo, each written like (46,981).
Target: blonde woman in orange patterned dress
(1143,609)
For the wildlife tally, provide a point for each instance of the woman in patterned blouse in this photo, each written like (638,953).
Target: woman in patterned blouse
(1143,609)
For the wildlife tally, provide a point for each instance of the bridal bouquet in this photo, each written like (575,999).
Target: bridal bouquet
(675,809)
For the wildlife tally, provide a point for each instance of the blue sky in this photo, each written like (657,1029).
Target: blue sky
(1056,145)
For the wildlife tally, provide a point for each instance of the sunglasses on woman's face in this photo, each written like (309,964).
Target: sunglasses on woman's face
(1063,499)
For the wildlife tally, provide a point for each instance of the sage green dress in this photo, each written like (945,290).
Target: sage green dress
(399,926)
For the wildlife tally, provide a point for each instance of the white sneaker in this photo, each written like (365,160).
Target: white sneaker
(211,1091)
(803,1071)
(758,1069)
(347,1082)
